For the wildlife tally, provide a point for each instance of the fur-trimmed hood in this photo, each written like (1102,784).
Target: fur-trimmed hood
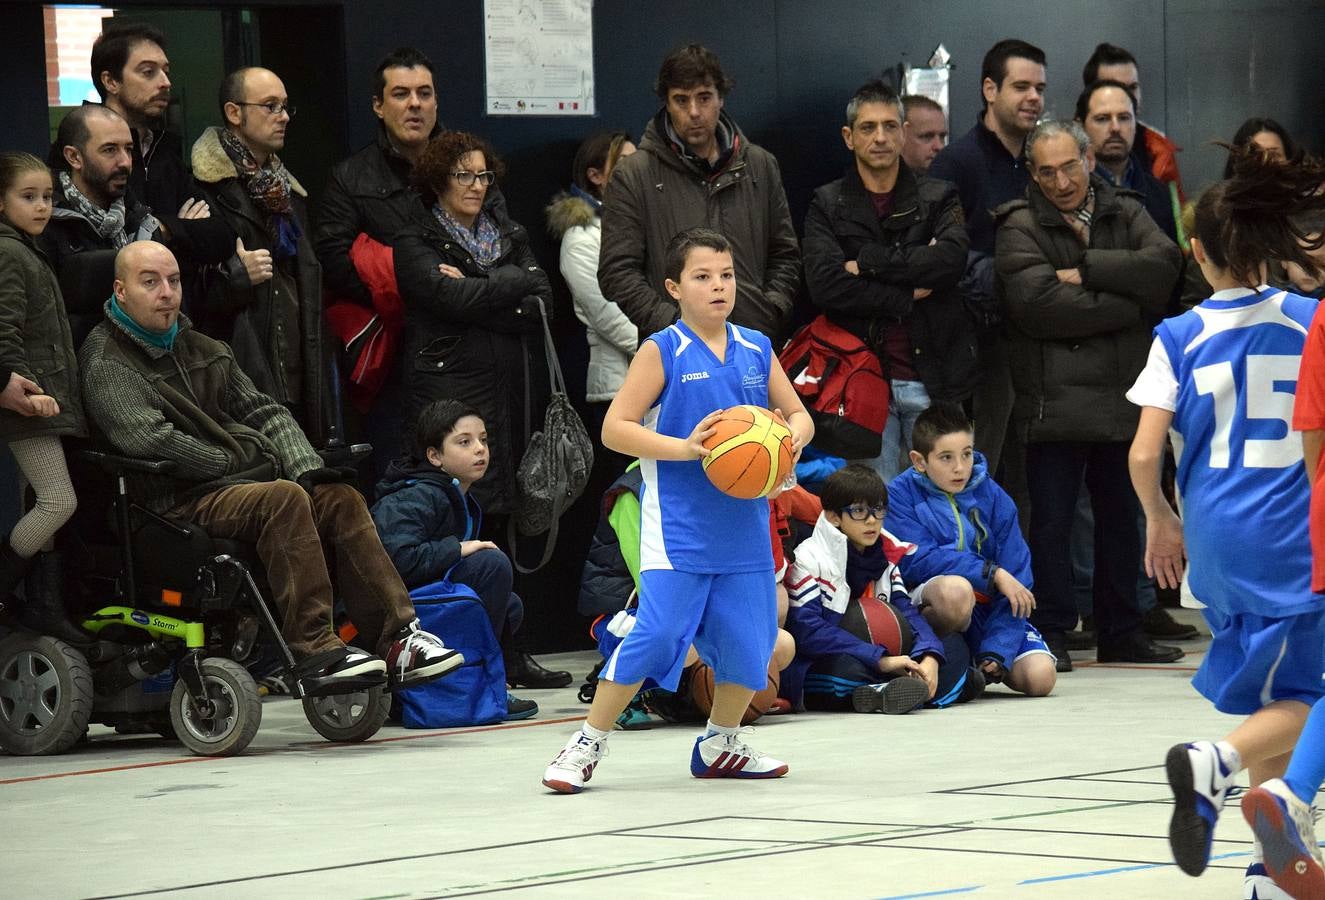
(566,211)
(211,164)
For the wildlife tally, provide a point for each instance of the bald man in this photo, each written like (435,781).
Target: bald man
(268,302)
(157,389)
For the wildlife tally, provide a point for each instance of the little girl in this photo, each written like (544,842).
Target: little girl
(40,402)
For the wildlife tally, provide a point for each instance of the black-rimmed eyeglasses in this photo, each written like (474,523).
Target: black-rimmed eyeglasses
(466,178)
(273,108)
(860,512)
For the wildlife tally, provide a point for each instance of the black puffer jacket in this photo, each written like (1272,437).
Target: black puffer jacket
(422,517)
(1076,350)
(471,339)
(895,257)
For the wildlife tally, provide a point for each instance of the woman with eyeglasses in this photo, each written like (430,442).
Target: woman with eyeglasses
(471,287)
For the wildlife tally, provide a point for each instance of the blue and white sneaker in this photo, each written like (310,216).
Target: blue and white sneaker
(1258,885)
(727,756)
(1200,782)
(1284,826)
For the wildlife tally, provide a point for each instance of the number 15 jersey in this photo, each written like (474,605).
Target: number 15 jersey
(1228,370)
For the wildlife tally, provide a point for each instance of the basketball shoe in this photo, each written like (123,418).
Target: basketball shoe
(893,697)
(1200,780)
(727,756)
(574,765)
(1283,824)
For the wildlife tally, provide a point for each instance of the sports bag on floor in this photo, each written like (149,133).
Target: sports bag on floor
(475,693)
(841,383)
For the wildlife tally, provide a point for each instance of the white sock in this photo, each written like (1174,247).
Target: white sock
(720,729)
(594,734)
(1230,756)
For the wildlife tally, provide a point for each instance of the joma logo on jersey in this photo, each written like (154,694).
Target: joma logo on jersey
(694,376)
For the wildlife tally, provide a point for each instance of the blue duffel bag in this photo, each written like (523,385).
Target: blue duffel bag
(475,693)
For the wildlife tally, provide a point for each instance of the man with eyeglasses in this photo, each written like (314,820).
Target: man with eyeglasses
(1086,273)
(266,302)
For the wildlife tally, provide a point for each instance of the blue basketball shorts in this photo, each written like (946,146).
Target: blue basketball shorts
(731,619)
(1256,660)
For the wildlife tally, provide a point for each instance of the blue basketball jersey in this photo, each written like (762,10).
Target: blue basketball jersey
(686,523)
(1241,481)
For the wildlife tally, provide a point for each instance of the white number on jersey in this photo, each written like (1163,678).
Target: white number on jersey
(1263,401)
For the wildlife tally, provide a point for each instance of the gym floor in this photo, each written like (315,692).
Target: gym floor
(1006,797)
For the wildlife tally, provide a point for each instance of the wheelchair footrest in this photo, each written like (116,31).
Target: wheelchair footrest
(326,687)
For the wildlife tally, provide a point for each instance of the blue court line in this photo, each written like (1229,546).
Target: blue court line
(1119,871)
(964,890)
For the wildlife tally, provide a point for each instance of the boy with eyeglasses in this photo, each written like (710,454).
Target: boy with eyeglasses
(838,571)
(971,567)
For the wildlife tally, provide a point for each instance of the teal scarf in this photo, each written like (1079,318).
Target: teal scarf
(163,339)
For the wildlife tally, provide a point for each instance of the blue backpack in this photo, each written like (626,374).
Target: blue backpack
(475,693)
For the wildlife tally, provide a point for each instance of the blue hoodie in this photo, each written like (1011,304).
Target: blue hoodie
(968,534)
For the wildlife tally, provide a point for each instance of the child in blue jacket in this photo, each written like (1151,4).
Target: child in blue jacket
(429,524)
(971,571)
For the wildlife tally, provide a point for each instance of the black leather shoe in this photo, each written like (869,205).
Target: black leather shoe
(1058,647)
(1137,648)
(522,670)
(1158,623)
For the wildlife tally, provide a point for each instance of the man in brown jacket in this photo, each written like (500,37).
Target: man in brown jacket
(1085,273)
(696,168)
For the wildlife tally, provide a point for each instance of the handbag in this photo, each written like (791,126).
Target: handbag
(556,462)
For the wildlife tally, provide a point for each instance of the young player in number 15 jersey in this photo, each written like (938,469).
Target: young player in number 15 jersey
(1221,378)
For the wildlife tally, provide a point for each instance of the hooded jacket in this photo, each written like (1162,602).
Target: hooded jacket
(1076,349)
(895,257)
(264,324)
(422,516)
(658,192)
(610,575)
(575,222)
(35,340)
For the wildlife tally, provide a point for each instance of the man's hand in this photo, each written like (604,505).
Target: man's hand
(195,209)
(1069,276)
(44,405)
(1166,554)
(853,267)
(314,477)
(921,293)
(17,395)
(257,263)
(702,432)
(1022,600)
(450,271)
(929,671)
(470,547)
(899,665)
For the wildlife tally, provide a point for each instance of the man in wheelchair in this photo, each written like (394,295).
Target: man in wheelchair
(156,389)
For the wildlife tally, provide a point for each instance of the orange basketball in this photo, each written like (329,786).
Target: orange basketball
(701,694)
(749,452)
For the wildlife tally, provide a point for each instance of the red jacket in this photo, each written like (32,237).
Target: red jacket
(371,337)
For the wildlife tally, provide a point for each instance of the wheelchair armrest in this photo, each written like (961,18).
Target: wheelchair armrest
(116,465)
(334,455)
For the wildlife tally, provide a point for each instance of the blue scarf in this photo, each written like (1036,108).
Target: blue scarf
(163,339)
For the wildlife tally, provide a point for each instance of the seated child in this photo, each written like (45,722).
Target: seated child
(971,568)
(850,555)
(429,525)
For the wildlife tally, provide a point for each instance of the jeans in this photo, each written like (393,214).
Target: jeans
(291,530)
(1054,473)
(909,400)
(488,573)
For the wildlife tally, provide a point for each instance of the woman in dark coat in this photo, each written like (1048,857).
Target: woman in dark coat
(471,289)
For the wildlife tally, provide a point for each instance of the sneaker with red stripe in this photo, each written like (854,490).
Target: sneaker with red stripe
(727,756)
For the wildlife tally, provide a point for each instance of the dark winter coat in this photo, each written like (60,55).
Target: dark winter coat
(606,582)
(35,340)
(257,321)
(657,192)
(422,516)
(1076,350)
(895,257)
(471,339)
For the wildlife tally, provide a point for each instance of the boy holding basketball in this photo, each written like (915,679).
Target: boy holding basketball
(706,567)
(971,571)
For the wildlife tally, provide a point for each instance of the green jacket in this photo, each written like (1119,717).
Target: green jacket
(35,340)
(192,405)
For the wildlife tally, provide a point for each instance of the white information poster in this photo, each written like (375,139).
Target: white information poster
(539,57)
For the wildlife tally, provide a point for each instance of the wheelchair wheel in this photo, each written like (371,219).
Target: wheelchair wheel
(45,695)
(348,718)
(234,719)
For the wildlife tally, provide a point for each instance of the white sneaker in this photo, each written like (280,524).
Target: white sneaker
(1284,826)
(418,656)
(1200,782)
(574,765)
(727,756)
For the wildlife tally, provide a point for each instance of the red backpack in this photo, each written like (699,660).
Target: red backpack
(841,383)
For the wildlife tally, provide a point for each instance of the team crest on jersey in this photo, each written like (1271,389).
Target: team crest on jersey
(754,378)
(694,376)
